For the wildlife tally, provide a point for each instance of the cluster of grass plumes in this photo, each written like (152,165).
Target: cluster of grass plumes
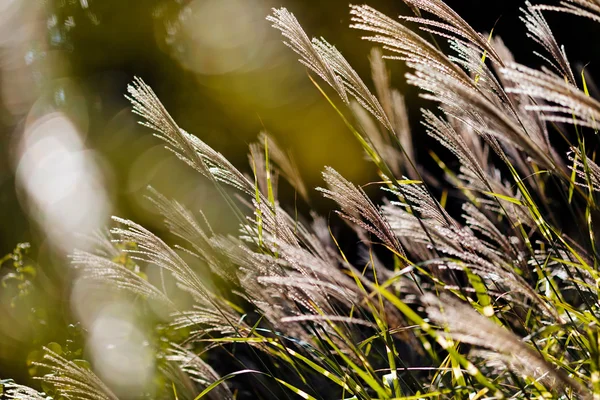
(499,300)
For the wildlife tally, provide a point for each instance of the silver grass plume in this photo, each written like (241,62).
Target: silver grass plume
(206,320)
(148,106)
(446,134)
(480,75)
(198,371)
(12,390)
(466,325)
(327,62)
(298,41)
(187,147)
(353,83)
(482,84)
(477,145)
(475,174)
(533,123)
(358,209)
(416,198)
(274,222)
(446,83)
(516,213)
(304,273)
(458,245)
(583,8)
(587,170)
(454,27)
(211,310)
(493,89)
(311,237)
(327,319)
(73,381)
(183,224)
(293,284)
(155,251)
(399,39)
(295,271)
(102,270)
(478,221)
(488,85)
(460,250)
(484,116)
(566,103)
(540,32)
